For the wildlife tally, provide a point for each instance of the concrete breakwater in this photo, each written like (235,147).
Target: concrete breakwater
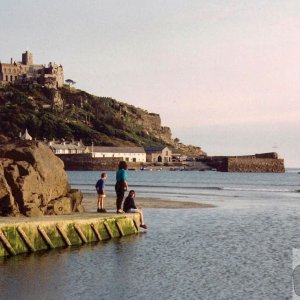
(25,235)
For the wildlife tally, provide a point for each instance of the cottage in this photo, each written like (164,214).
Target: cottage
(129,154)
(63,147)
(160,154)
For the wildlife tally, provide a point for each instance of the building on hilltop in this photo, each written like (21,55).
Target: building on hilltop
(51,76)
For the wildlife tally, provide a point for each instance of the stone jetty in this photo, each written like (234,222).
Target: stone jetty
(27,235)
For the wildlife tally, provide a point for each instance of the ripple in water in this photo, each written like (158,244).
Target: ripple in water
(235,253)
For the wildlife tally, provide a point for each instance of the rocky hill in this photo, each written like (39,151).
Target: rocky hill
(68,113)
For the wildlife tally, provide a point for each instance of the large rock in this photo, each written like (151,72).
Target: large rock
(33,181)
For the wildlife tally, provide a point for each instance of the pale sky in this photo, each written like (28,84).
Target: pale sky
(224,75)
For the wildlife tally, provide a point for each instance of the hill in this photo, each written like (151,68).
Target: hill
(69,113)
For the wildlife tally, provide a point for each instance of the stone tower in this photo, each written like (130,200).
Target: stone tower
(27,58)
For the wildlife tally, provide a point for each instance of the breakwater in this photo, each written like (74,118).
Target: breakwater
(86,162)
(23,235)
(258,163)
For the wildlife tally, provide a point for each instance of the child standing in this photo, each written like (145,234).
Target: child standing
(100,187)
(130,207)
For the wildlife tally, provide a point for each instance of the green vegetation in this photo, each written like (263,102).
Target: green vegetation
(74,114)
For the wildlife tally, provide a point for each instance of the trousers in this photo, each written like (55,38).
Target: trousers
(120,192)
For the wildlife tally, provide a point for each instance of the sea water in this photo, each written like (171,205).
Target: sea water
(241,249)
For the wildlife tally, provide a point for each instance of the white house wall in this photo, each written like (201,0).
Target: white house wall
(130,157)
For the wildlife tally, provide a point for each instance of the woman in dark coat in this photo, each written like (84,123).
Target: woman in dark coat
(121,185)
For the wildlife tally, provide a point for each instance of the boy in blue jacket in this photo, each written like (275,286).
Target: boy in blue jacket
(100,187)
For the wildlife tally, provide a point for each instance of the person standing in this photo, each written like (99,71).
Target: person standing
(121,185)
(100,187)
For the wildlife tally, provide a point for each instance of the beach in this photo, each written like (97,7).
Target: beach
(90,203)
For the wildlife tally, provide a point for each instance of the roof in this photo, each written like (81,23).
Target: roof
(155,149)
(66,146)
(117,149)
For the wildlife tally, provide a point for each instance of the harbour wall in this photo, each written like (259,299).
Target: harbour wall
(85,162)
(258,163)
(23,235)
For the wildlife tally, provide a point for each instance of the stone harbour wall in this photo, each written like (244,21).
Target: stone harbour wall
(263,165)
(258,163)
(85,162)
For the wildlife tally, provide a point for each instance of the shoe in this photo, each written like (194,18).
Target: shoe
(103,210)
(144,226)
(120,211)
(98,210)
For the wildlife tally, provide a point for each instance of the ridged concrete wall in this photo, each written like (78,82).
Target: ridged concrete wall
(18,237)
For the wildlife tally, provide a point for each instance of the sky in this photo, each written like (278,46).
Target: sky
(224,75)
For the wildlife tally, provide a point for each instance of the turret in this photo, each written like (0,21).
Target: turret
(27,58)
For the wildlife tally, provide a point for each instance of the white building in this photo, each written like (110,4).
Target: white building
(129,154)
(25,136)
(64,147)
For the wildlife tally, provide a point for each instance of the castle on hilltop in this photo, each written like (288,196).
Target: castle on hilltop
(25,71)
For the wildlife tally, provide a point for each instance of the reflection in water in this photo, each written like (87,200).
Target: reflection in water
(232,253)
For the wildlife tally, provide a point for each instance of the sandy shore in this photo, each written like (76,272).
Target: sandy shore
(90,203)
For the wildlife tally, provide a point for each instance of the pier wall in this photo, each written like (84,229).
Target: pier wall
(19,236)
(85,162)
(258,163)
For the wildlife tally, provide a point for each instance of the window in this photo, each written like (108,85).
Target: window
(134,159)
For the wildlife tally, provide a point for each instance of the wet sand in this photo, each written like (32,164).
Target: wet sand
(90,203)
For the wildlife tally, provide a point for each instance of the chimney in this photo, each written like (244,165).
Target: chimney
(11,61)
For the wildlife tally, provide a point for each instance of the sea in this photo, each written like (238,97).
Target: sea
(243,248)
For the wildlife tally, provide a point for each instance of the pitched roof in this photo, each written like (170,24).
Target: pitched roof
(155,149)
(117,149)
(66,146)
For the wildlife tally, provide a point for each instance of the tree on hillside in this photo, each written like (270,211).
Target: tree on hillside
(70,82)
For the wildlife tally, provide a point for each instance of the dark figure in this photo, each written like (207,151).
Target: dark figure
(121,185)
(130,207)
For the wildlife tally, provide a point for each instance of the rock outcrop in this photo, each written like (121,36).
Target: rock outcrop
(33,182)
